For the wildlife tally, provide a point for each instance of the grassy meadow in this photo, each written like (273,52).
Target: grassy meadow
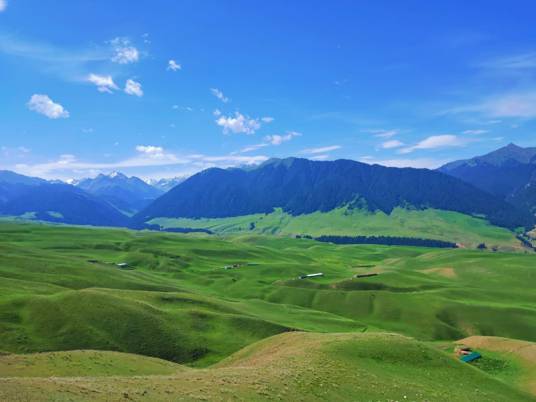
(451,226)
(294,366)
(190,327)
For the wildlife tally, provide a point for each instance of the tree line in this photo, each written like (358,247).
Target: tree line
(385,240)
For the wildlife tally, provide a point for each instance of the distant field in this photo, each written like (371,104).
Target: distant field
(61,290)
(430,223)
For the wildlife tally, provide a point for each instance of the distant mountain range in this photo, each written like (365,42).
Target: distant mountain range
(166,184)
(127,194)
(38,199)
(301,186)
(508,173)
(500,186)
(105,200)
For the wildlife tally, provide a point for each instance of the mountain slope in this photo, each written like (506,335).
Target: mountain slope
(503,172)
(127,194)
(294,367)
(166,184)
(301,186)
(500,157)
(465,230)
(9,177)
(525,197)
(62,203)
(13,184)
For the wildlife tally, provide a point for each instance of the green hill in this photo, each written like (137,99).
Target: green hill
(61,290)
(84,363)
(298,367)
(197,300)
(429,223)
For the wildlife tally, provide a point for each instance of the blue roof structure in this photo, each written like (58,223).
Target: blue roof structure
(470,357)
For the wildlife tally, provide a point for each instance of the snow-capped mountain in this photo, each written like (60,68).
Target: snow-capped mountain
(127,194)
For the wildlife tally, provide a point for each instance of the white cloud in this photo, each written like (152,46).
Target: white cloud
(66,159)
(510,105)
(19,152)
(251,148)
(133,88)
(173,65)
(274,139)
(392,144)
(219,94)
(104,83)
(514,62)
(216,112)
(321,150)
(385,133)
(147,158)
(475,132)
(267,119)
(435,141)
(183,108)
(421,163)
(320,157)
(67,63)
(124,52)
(277,139)
(44,105)
(231,160)
(153,151)
(3,5)
(238,124)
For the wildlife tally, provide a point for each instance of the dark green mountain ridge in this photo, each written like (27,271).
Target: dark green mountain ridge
(301,186)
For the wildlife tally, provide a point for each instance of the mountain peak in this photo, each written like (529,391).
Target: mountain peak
(512,146)
(300,186)
(287,162)
(117,174)
(507,155)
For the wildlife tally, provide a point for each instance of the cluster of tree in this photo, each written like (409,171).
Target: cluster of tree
(158,228)
(526,242)
(187,230)
(387,240)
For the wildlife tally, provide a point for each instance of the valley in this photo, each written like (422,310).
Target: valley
(62,291)
(261,201)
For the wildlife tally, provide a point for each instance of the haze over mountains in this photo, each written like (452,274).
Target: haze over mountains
(166,184)
(499,186)
(127,194)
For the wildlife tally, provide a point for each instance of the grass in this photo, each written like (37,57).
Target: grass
(61,291)
(84,363)
(513,361)
(298,367)
(430,223)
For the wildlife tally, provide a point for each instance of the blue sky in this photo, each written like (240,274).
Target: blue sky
(166,88)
